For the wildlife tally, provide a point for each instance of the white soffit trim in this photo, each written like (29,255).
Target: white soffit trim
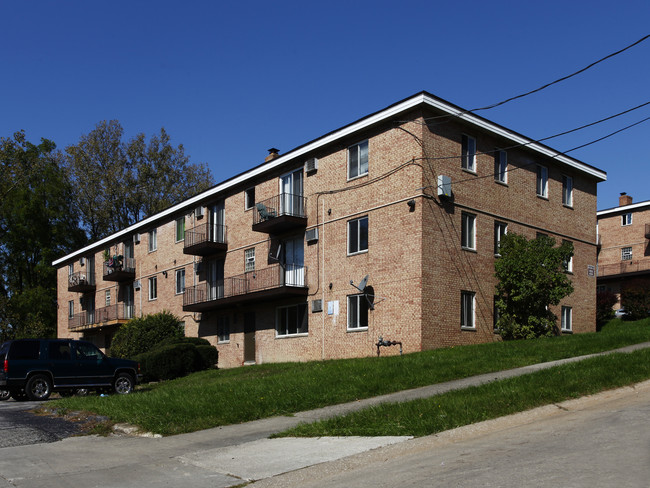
(624,208)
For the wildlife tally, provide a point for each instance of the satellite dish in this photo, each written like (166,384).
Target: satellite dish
(363,283)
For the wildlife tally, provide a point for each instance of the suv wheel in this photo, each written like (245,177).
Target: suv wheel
(39,387)
(123,384)
(4,395)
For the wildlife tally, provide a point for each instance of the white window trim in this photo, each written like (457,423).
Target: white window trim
(473,231)
(624,221)
(473,310)
(569,197)
(357,221)
(176,274)
(625,256)
(465,162)
(225,322)
(176,225)
(567,312)
(498,225)
(359,328)
(70,309)
(153,279)
(153,240)
(544,179)
(279,310)
(249,257)
(247,203)
(357,145)
(501,176)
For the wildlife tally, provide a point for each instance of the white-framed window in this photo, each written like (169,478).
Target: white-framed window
(568,264)
(566,319)
(468,231)
(626,218)
(358,160)
(626,253)
(153,240)
(468,153)
(223,329)
(358,235)
(542,181)
(249,198)
(357,312)
(180,281)
(249,260)
(71,309)
(153,288)
(500,229)
(567,191)
(501,166)
(107,298)
(180,229)
(70,269)
(291,320)
(467,299)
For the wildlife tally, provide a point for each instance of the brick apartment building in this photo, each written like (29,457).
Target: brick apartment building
(624,246)
(270,265)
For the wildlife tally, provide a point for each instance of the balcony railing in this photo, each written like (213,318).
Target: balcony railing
(81,281)
(119,268)
(205,240)
(624,267)
(280,213)
(113,314)
(264,284)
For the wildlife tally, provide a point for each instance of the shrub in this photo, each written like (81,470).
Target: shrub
(636,301)
(605,300)
(209,356)
(177,359)
(143,334)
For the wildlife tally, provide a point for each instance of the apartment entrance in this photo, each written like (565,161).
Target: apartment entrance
(249,337)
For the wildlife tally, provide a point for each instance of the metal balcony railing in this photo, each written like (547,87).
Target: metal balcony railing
(205,239)
(119,268)
(101,316)
(624,267)
(81,281)
(280,213)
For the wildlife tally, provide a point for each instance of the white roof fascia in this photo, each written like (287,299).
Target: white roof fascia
(624,208)
(329,138)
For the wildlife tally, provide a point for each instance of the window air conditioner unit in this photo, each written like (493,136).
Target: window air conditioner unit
(317,305)
(136,237)
(82,261)
(311,165)
(136,285)
(311,235)
(198,212)
(444,186)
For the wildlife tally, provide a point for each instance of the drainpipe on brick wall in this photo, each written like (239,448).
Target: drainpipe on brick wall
(324,312)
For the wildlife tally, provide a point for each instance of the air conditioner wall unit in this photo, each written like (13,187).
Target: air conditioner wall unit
(198,212)
(444,186)
(311,165)
(311,235)
(317,305)
(82,261)
(136,237)
(137,285)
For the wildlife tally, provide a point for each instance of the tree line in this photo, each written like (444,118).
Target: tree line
(53,202)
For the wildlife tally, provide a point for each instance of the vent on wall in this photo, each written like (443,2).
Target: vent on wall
(136,238)
(198,212)
(82,261)
(311,165)
(136,285)
(317,305)
(311,235)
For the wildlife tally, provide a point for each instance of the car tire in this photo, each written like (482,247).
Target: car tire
(4,395)
(19,396)
(38,387)
(123,384)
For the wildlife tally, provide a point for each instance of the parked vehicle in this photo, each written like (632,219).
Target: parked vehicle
(620,313)
(34,368)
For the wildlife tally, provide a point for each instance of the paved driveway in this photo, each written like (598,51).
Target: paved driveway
(19,427)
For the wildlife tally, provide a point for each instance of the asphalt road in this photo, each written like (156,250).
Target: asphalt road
(19,427)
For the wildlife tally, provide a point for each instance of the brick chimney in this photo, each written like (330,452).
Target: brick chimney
(273,153)
(624,199)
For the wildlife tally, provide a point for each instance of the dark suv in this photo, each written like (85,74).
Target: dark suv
(34,368)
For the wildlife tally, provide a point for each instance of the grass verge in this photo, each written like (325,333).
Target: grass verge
(213,398)
(476,404)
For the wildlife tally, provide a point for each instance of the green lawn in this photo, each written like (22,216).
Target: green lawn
(213,398)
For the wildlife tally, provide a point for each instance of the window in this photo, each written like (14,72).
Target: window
(357,312)
(358,235)
(358,160)
(291,320)
(468,153)
(566,319)
(107,298)
(153,288)
(223,329)
(70,269)
(542,181)
(249,198)
(626,253)
(567,191)
(467,309)
(180,229)
(153,240)
(626,218)
(501,167)
(71,309)
(468,231)
(500,229)
(568,264)
(180,281)
(249,256)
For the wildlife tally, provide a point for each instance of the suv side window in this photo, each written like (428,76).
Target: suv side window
(59,351)
(25,350)
(88,351)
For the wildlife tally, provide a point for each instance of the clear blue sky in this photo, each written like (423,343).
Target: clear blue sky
(229,80)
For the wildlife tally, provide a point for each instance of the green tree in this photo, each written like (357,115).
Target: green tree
(531,277)
(141,334)
(37,225)
(120,182)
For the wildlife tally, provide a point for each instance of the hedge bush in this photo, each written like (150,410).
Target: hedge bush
(177,359)
(143,334)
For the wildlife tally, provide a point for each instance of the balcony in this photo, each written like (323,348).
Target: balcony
(270,283)
(81,281)
(119,268)
(280,214)
(624,268)
(119,313)
(205,240)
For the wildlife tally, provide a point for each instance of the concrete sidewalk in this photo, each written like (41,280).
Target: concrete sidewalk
(219,457)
